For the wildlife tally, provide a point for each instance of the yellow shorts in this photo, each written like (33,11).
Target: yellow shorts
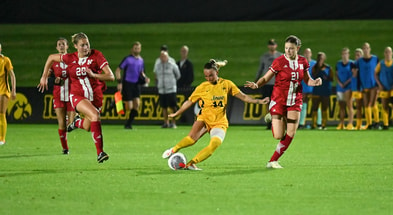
(384,94)
(357,95)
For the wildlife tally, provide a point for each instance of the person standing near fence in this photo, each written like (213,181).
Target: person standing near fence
(265,61)
(365,67)
(321,94)
(384,78)
(186,69)
(343,88)
(167,73)
(128,84)
(6,92)
(307,91)
(357,91)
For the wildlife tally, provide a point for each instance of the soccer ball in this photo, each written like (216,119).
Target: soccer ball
(177,161)
(268,118)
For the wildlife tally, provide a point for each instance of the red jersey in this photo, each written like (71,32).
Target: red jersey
(81,83)
(61,93)
(287,88)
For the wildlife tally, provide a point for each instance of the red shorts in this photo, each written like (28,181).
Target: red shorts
(282,109)
(76,99)
(61,104)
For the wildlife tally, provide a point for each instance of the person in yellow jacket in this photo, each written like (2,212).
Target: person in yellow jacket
(6,71)
(212,97)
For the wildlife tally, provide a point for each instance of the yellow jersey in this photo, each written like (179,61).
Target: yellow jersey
(213,99)
(5,67)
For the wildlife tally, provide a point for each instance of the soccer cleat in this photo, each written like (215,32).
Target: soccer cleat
(102,157)
(2,143)
(72,126)
(164,125)
(65,152)
(193,167)
(350,127)
(274,165)
(167,153)
(340,126)
(268,118)
(172,125)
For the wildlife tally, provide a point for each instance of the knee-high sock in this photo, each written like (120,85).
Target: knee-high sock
(63,138)
(319,118)
(314,118)
(303,115)
(358,123)
(376,113)
(282,146)
(3,126)
(185,142)
(96,134)
(131,116)
(324,118)
(385,117)
(215,142)
(368,113)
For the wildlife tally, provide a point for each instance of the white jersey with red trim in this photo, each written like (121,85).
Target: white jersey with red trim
(81,83)
(289,73)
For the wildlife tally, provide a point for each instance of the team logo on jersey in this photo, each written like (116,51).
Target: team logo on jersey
(89,61)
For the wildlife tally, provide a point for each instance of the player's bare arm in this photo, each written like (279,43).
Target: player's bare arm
(187,104)
(248,99)
(262,81)
(106,75)
(43,85)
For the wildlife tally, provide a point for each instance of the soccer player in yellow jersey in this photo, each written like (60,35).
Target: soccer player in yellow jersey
(212,96)
(6,71)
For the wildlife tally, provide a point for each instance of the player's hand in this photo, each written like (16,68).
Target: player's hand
(265,100)
(318,82)
(172,115)
(251,85)
(43,85)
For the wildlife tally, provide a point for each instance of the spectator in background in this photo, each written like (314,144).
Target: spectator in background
(266,61)
(6,72)
(158,60)
(321,94)
(365,67)
(357,91)
(128,84)
(384,78)
(343,88)
(186,69)
(167,73)
(307,91)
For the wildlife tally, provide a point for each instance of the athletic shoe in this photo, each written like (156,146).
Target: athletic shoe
(164,125)
(128,127)
(102,157)
(274,165)
(65,152)
(385,127)
(72,126)
(2,143)
(350,127)
(167,153)
(268,118)
(340,126)
(172,125)
(193,167)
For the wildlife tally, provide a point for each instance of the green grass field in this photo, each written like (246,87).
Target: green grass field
(325,172)
(241,43)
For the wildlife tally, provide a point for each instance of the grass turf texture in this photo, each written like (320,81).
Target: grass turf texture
(241,43)
(325,172)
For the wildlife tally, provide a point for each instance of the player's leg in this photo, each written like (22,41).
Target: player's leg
(292,124)
(3,119)
(61,114)
(367,108)
(342,106)
(92,115)
(374,107)
(314,108)
(349,107)
(325,100)
(217,136)
(197,131)
(303,112)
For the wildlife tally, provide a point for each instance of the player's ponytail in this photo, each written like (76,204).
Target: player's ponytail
(214,64)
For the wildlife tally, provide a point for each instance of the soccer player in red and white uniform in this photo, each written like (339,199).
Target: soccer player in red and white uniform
(286,100)
(86,68)
(61,94)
